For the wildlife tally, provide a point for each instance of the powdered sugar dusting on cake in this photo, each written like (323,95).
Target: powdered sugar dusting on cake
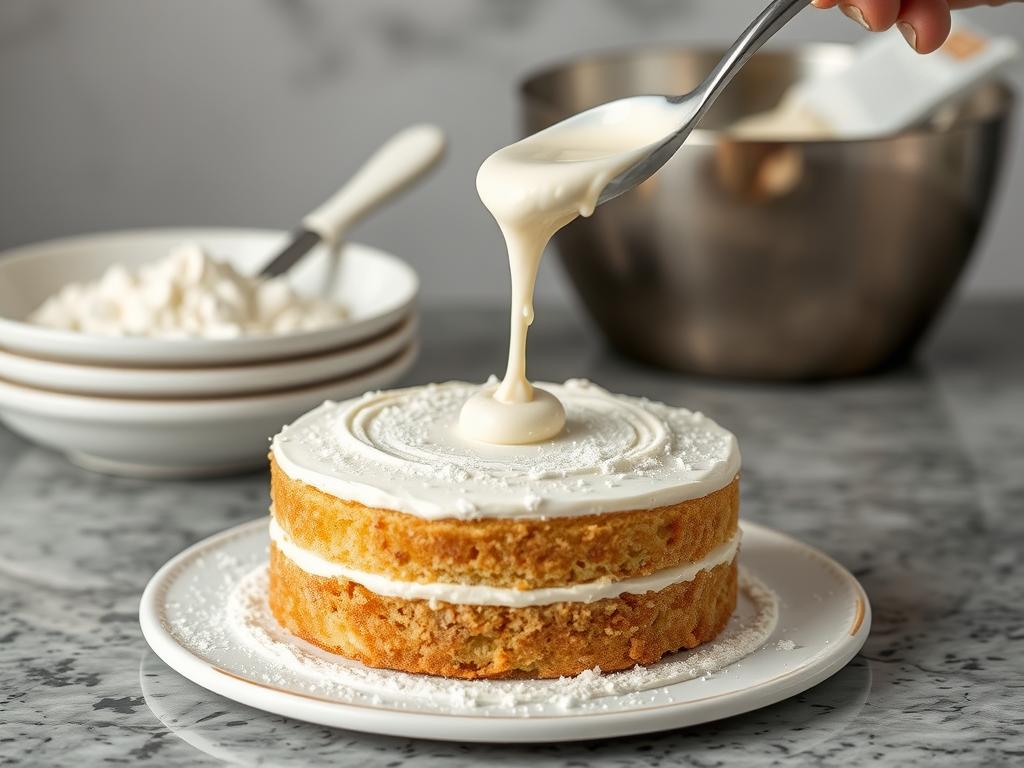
(402,450)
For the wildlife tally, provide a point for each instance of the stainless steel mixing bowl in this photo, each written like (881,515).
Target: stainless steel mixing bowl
(771,259)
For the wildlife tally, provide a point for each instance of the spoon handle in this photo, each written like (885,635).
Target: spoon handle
(771,20)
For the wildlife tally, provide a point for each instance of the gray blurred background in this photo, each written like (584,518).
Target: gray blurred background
(132,113)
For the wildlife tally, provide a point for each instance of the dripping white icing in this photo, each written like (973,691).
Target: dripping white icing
(533,188)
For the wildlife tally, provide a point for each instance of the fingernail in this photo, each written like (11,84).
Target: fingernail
(853,12)
(817,3)
(909,33)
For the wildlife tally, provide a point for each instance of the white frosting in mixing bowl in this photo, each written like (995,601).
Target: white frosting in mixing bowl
(187,294)
(789,121)
(402,450)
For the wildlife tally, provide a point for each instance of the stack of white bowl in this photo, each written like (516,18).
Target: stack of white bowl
(179,408)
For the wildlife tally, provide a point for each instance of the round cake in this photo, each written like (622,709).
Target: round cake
(398,542)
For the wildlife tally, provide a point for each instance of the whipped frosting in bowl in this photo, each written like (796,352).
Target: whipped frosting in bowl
(377,290)
(187,294)
(404,450)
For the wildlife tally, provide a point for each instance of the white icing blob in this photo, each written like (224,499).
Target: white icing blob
(486,418)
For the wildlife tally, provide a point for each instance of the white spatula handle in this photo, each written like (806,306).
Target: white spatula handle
(394,167)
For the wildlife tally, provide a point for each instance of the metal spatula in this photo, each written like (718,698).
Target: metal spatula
(397,165)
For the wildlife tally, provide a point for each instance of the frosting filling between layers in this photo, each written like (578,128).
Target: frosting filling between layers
(479,594)
(402,450)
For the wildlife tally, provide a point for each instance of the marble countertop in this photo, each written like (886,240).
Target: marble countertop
(914,480)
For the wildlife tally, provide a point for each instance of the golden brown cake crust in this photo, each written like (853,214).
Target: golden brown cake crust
(523,554)
(472,641)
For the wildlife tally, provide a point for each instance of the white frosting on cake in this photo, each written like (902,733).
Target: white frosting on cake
(481,594)
(402,450)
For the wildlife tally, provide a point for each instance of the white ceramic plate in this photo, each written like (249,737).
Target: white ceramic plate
(377,289)
(823,620)
(214,381)
(173,437)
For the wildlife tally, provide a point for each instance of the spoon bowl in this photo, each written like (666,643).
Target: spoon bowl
(687,110)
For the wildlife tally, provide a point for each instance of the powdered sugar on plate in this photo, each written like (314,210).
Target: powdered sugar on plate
(205,615)
(229,614)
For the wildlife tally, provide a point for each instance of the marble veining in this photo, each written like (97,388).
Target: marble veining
(911,479)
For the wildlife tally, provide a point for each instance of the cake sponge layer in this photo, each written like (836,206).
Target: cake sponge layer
(522,554)
(470,641)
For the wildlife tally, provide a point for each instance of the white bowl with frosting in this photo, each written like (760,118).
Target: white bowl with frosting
(372,291)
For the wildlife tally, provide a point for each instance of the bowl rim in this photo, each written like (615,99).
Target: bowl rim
(132,383)
(172,352)
(80,408)
(527,83)
(407,325)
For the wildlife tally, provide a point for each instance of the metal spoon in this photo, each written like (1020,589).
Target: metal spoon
(402,160)
(695,104)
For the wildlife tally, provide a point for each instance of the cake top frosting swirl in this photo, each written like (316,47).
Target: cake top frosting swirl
(402,450)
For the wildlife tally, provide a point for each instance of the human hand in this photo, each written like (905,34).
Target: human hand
(924,23)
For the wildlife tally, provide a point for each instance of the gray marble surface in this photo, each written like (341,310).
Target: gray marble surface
(914,480)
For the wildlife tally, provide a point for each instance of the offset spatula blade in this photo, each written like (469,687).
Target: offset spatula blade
(303,241)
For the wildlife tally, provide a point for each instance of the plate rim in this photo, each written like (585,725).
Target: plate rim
(394,721)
